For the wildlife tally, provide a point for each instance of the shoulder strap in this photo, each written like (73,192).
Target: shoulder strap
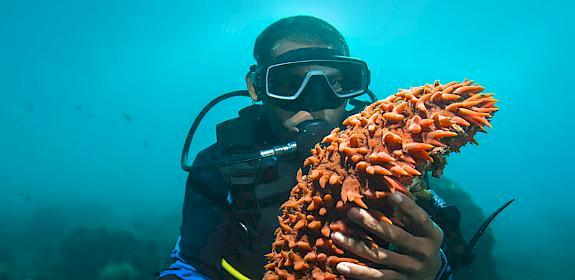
(244,133)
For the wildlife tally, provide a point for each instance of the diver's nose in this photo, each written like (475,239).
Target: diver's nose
(318,95)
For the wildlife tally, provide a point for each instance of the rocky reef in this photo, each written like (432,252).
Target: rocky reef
(118,271)
(385,148)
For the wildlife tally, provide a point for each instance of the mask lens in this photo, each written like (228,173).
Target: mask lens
(285,80)
(350,79)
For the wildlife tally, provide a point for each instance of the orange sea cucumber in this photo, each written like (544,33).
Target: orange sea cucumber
(385,148)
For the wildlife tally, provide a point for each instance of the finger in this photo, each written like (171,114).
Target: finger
(417,219)
(378,255)
(388,232)
(366,273)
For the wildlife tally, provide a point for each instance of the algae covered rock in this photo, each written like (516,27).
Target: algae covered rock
(120,271)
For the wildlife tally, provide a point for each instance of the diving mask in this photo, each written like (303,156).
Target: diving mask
(311,78)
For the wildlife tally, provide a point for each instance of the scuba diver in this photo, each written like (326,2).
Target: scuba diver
(307,84)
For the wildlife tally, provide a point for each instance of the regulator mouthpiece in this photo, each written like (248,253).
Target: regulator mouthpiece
(311,132)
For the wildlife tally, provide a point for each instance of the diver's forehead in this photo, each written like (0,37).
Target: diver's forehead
(284,46)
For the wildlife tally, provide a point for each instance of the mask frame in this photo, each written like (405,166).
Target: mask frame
(260,74)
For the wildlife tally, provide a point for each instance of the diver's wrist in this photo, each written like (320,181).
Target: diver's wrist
(444,270)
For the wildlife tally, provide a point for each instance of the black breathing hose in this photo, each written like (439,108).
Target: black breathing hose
(471,244)
(184,159)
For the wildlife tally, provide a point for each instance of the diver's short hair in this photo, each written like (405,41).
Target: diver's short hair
(301,29)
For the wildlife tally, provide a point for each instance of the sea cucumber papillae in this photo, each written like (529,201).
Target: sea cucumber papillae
(385,148)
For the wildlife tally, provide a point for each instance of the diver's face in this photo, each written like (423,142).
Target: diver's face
(290,119)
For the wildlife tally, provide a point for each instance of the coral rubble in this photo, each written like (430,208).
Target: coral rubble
(385,148)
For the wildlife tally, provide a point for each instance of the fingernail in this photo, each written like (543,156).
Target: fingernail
(343,268)
(396,197)
(354,213)
(337,236)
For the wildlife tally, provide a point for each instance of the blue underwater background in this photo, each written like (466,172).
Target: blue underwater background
(97,96)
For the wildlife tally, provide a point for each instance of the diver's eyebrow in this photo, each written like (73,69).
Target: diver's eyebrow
(328,70)
(275,46)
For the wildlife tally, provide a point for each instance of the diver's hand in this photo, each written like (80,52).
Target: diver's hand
(417,255)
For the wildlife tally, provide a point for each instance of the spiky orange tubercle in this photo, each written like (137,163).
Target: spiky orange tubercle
(384,149)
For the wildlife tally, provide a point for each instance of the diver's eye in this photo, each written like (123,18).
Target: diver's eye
(335,83)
